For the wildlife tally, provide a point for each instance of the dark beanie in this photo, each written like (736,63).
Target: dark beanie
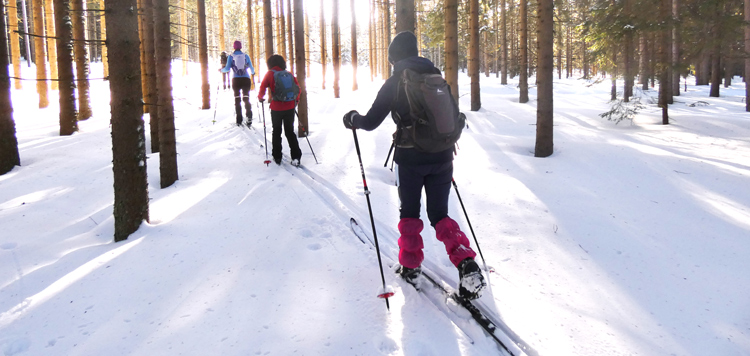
(403,46)
(237,44)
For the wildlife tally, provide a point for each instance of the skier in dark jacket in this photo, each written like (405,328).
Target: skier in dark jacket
(416,170)
(224,76)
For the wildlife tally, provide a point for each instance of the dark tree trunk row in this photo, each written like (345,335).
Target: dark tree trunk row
(128,128)
(9,156)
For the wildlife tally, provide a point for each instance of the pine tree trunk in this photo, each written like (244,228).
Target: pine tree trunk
(716,55)
(128,131)
(103,36)
(184,46)
(40,58)
(307,45)
(203,54)
(250,41)
(544,112)
(747,60)
(504,62)
(162,50)
(559,32)
(144,79)
(371,34)
(258,57)
(9,156)
(451,46)
(336,48)
(476,99)
(267,29)
(644,62)
(354,46)
(51,50)
(82,60)
(323,51)
(281,27)
(299,48)
(664,11)
(290,34)
(405,16)
(676,51)
(523,80)
(152,95)
(387,41)
(15,43)
(64,30)
(627,53)
(613,91)
(222,39)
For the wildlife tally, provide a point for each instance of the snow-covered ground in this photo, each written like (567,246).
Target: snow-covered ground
(632,239)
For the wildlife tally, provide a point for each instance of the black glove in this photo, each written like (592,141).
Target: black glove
(261,99)
(348,119)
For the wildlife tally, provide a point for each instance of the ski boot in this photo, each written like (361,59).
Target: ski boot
(471,279)
(410,275)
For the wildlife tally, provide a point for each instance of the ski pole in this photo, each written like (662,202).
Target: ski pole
(467,220)
(393,144)
(217,105)
(308,140)
(385,294)
(263,111)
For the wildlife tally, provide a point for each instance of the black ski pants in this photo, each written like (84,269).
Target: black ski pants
(284,119)
(242,84)
(435,178)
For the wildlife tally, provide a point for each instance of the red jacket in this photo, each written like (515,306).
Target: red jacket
(268,82)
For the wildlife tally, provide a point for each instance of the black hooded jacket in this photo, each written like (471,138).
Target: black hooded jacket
(391,99)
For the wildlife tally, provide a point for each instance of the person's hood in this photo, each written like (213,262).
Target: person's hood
(403,46)
(415,63)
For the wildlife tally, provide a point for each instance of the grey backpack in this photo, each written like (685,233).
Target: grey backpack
(436,121)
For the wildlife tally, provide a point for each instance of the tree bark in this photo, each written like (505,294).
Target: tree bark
(128,131)
(644,62)
(523,80)
(665,34)
(184,49)
(747,60)
(103,36)
(162,49)
(15,44)
(354,46)
(250,40)
(64,29)
(282,27)
(323,50)
(451,46)
(82,60)
(371,32)
(387,42)
(203,54)
(676,51)
(152,95)
(336,48)
(299,48)
(51,50)
(222,39)
(544,112)
(40,59)
(268,29)
(476,100)
(9,156)
(405,16)
(716,55)
(627,53)
(504,63)
(290,34)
